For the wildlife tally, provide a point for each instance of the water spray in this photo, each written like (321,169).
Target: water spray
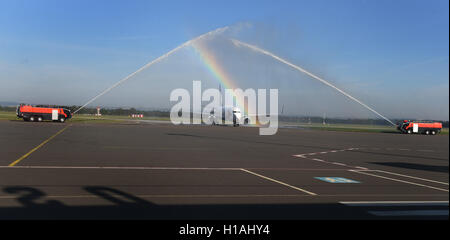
(254,48)
(211,33)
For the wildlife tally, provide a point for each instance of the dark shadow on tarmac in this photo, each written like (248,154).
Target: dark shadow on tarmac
(431,168)
(124,206)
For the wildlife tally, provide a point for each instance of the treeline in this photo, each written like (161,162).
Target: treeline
(161,113)
(381,122)
(120,111)
(333,120)
(7,109)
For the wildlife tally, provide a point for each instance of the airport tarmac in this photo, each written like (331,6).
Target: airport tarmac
(154,170)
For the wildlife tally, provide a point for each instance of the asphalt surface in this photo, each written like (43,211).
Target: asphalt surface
(161,171)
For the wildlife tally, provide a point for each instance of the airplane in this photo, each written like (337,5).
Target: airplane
(230,115)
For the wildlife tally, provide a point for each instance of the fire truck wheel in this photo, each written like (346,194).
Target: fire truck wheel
(32,119)
(62,120)
(433,132)
(409,131)
(427,132)
(39,119)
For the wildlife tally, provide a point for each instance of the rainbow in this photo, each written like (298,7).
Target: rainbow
(210,61)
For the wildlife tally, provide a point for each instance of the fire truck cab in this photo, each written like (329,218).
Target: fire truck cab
(421,127)
(41,113)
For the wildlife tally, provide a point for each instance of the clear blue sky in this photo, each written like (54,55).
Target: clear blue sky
(400,41)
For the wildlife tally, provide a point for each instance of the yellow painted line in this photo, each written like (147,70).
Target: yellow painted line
(279,182)
(36,148)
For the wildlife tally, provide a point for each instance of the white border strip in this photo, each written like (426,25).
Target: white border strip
(401,175)
(398,180)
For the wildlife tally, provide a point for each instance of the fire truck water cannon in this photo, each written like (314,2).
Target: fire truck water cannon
(420,127)
(40,113)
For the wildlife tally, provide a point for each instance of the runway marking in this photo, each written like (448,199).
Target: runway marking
(398,180)
(363,168)
(8,197)
(335,163)
(331,151)
(336,180)
(341,164)
(172,168)
(366,169)
(319,160)
(36,148)
(279,182)
(402,175)
(395,203)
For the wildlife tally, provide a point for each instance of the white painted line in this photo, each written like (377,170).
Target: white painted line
(402,175)
(336,163)
(363,168)
(168,168)
(8,197)
(410,213)
(300,156)
(395,203)
(331,151)
(279,182)
(319,160)
(300,169)
(127,168)
(398,180)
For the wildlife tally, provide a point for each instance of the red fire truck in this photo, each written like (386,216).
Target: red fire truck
(421,127)
(41,113)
